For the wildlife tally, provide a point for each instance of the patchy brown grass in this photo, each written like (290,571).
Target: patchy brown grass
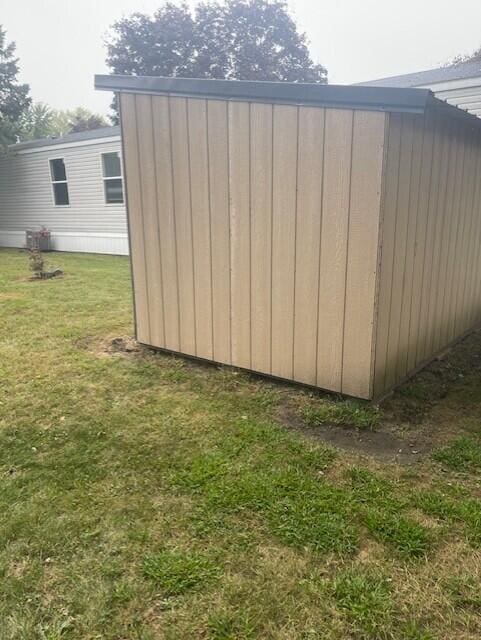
(145,496)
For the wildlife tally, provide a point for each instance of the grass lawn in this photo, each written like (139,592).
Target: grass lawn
(143,496)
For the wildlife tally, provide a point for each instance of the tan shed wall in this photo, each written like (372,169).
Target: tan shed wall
(254,232)
(430,284)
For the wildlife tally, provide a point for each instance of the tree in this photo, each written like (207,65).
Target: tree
(158,46)
(252,40)
(61,121)
(241,39)
(14,98)
(82,119)
(475,56)
(38,122)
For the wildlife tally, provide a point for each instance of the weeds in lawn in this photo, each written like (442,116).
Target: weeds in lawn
(464,591)
(404,535)
(466,512)
(463,454)
(176,572)
(413,631)
(347,413)
(231,626)
(366,599)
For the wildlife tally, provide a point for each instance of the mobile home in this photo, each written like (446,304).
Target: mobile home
(72,185)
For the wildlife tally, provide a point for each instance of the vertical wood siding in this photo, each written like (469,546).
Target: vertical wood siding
(255,234)
(430,284)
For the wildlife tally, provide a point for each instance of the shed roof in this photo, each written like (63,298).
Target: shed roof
(342,96)
(458,71)
(92,134)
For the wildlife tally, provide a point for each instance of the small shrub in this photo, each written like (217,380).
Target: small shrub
(177,572)
(346,413)
(36,262)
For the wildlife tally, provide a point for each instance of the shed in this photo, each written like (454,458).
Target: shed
(72,185)
(328,235)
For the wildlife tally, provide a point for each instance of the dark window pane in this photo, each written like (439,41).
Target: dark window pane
(57,169)
(113,191)
(111,165)
(60,191)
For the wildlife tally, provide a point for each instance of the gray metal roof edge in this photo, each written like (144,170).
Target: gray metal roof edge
(453,111)
(458,71)
(91,134)
(370,98)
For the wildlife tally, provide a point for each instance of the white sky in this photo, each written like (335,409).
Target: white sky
(60,42)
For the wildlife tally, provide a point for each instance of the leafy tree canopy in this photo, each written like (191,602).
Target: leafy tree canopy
(82,119)
(475,56)
(40,121)
(14,98)
(238,39)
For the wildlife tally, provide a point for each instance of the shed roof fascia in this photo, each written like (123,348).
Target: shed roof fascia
(373,98)
(391,99)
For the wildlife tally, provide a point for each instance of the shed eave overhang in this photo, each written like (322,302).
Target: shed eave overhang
(390,99)
(344,96)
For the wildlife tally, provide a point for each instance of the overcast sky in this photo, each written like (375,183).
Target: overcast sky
(60,42)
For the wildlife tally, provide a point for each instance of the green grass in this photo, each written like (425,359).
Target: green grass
(176,572)
(146,497)
(366,599)
(463,454)
(465,512)
(465,592)
(346,413)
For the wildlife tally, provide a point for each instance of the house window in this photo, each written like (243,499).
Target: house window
(59,182)
(112,173)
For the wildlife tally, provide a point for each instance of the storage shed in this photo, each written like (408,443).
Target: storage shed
(324,234)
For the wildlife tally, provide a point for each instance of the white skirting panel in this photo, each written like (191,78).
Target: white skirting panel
(113,243)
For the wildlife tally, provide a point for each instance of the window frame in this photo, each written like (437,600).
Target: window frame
(107,178)
(54,182)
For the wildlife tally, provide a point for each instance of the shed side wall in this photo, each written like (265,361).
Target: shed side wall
(260,248)
(430,284)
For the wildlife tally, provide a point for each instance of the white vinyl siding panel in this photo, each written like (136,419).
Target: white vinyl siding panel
(26,199)
(465,94)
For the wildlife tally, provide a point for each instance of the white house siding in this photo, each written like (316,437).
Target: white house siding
(26,198)
(465,93)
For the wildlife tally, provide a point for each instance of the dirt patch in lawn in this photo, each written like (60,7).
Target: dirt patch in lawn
(118,346)
(380,443)
(10,296)
(455,371)
(424,413)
